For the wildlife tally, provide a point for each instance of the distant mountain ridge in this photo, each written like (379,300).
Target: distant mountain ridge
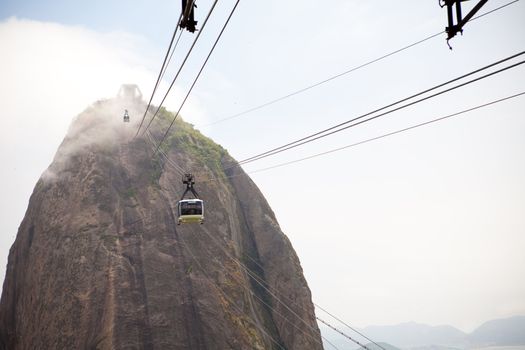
(500,332)
(411,334)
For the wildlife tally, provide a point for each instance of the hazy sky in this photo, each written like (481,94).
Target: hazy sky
(425,226)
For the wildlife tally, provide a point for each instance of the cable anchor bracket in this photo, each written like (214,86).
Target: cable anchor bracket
(455,27)
(188,21)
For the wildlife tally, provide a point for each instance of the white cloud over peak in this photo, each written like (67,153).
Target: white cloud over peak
(49,73)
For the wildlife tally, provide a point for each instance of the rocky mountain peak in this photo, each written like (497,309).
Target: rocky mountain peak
(100,263)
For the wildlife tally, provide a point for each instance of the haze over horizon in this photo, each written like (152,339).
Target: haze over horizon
(438,325)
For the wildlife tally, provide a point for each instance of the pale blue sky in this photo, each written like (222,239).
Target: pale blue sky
(429,225)
(131,16)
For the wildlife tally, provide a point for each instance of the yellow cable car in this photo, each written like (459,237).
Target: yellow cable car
(190,211)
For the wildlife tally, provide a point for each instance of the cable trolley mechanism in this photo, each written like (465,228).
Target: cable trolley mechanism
(188,21)
(190,210)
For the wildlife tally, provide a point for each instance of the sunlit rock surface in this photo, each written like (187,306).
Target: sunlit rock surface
(99,262)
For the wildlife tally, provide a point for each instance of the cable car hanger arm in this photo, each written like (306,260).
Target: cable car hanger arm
(188,21)
(189,181)
(452,28)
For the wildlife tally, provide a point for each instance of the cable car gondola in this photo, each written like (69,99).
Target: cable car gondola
(190,210)
(126,116)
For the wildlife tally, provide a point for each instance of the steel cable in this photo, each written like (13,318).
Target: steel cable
(198,75)
(182,65)
(334,129)
(299,91)
(161,73)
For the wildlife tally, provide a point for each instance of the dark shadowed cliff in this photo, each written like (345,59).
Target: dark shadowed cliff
(99,262)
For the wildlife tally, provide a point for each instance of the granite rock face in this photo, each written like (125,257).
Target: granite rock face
(99,262)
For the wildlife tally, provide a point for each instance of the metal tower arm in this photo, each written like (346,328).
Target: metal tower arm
(452,28)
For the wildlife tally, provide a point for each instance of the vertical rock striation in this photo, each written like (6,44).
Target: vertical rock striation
(99,262)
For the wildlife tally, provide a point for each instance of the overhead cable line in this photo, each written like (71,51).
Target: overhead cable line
(343,334)
(215,284)
(182,65)
(365,141)
(263,283)
(170,162)
(197,77)
(251,274)
(174,166)
(314,85)
(341,126)
(390,133)
(171,55)
(383,108)
(348,326)
(272,308)
(254,276)
(161,73)
(183,243)
(272,292)
(219,289)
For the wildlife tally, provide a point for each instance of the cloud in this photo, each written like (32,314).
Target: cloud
(50,73)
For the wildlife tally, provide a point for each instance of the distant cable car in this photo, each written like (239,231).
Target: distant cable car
(190,210)
(126,116)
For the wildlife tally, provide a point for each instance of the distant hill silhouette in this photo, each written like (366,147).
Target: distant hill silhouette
(411,334)
(502,332)
(385,346)
(343,343)
(416,336)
